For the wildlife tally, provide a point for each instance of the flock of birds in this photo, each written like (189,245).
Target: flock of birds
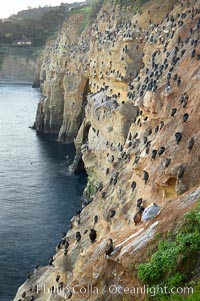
(148,78)
(153,76)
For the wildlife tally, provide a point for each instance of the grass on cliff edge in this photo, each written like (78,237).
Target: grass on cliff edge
(90,12)
(134,4)
(173,262)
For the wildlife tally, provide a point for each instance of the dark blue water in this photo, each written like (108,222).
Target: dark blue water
(37,198)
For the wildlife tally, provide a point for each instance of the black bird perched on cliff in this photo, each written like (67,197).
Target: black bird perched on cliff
(115,181)
(57,278)
(112,213)
(107,171)
(178,137)
(161,150)
(59,245)
(66,245)
(95,219)
(52,289)
(137,158)
(167,162)
(193,53)
(111,180)
(175,77)
(133,185)
(146,176)
(109,247)
(156,129)
(63,241)
(161,125)
(78,236)
(139,202)
(168,75)
(138,216)
(190,144)
(61,284)
(51,261)
(180,172)
(147,148)
(185,117)
(153,154)
(29,275)
(145,140)
(178,81)
(103,195)
(93,235)
(173,112)
(23,294)
(121,148)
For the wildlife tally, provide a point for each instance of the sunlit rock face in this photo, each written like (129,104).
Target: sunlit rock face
(122,90)
(64,81)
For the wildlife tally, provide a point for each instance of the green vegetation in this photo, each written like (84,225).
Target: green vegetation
(86,11)
(171,265)
(136,4)
(78,10)
(34,30)
(39,24)
(90,12)
(85,22)
(90,190)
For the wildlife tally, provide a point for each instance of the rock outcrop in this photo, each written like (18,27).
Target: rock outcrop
(126,90)
(17,69)
(64,81)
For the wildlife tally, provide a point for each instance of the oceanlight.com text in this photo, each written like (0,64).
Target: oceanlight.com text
(115,290)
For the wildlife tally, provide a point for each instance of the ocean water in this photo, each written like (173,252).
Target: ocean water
(37,197)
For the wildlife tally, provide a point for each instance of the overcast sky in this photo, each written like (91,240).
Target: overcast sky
(9,7)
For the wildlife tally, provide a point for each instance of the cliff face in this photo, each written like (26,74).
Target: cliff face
(64,81)
(17,69)
(126,90)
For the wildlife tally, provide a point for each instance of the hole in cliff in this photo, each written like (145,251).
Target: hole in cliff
(170,191)
(80,168)
(86,132)
(85,92)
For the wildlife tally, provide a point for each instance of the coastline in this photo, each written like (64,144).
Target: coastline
(15,83)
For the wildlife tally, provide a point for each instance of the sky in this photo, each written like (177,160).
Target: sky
(9,7)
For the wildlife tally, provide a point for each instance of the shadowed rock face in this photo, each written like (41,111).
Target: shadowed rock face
(112,89)
(17,69)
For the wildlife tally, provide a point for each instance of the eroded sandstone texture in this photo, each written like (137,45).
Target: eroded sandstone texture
(122,90)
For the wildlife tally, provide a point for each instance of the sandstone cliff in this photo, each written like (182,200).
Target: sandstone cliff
(18,66)
(126,90)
